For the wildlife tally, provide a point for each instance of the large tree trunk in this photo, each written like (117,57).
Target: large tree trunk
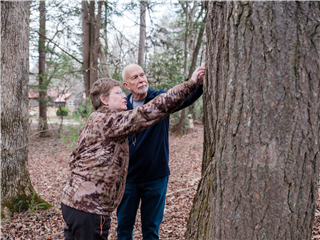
(262,122)
(43,125)
(15,181)
(142,39)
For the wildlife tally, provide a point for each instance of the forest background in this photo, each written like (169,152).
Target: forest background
(165,37)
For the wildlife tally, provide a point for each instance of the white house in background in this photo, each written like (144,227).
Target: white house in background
(33,97)
(70,101)
(66,100)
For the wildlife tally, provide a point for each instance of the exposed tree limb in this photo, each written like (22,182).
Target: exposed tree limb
(183,6)
(59,47)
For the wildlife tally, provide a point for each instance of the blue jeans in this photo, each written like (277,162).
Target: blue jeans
(153,198)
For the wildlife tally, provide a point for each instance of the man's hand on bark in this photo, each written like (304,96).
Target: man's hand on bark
(198,74)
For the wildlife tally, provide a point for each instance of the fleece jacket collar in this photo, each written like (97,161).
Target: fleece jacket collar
(150,95)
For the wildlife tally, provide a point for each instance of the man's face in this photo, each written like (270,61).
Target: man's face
(137,81)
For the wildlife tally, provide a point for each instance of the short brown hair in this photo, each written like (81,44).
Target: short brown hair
(101,87)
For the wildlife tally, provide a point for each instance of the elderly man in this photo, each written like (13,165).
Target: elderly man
(148,172)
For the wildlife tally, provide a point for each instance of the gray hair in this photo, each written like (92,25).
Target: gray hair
(101,87)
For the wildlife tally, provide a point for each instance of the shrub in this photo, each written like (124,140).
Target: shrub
(82,111)
(62,112)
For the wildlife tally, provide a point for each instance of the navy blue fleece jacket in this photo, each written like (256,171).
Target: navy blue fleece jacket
(149,149)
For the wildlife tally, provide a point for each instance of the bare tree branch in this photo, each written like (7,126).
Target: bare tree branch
(59,47)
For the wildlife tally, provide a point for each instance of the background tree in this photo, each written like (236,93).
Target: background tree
(15,181)
(58,60)
(185,6)
(262,122)
(91,43)
(190,9)
(43,125)
(142,38)
(165,69)
(103,51)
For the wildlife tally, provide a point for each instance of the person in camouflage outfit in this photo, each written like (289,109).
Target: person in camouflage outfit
(99,162)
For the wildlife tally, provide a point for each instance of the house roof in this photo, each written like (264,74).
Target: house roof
(33,94)
(63,97)
(51,93)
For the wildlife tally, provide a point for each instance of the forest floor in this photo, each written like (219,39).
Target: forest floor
(48,167)
(49,171)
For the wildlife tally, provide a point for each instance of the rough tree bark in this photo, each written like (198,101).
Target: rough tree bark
(15,181)
(142,39)
(262,122)
(43,125)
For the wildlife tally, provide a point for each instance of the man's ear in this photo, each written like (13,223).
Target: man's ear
(125,84)
(104,100)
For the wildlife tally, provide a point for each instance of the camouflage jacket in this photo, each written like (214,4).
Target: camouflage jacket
(99,162)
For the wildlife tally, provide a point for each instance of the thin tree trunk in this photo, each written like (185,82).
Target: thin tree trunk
(261,105)
(95,42)
(91,43)
(103,62)
(194,61)
(86,46)
(92,69)
(181,123)
(105,37)
(142,39)
(103,54)
(15,180)
(43,125)
(197,48)
(193,56)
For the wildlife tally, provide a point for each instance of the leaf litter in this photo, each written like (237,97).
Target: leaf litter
(49,171)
